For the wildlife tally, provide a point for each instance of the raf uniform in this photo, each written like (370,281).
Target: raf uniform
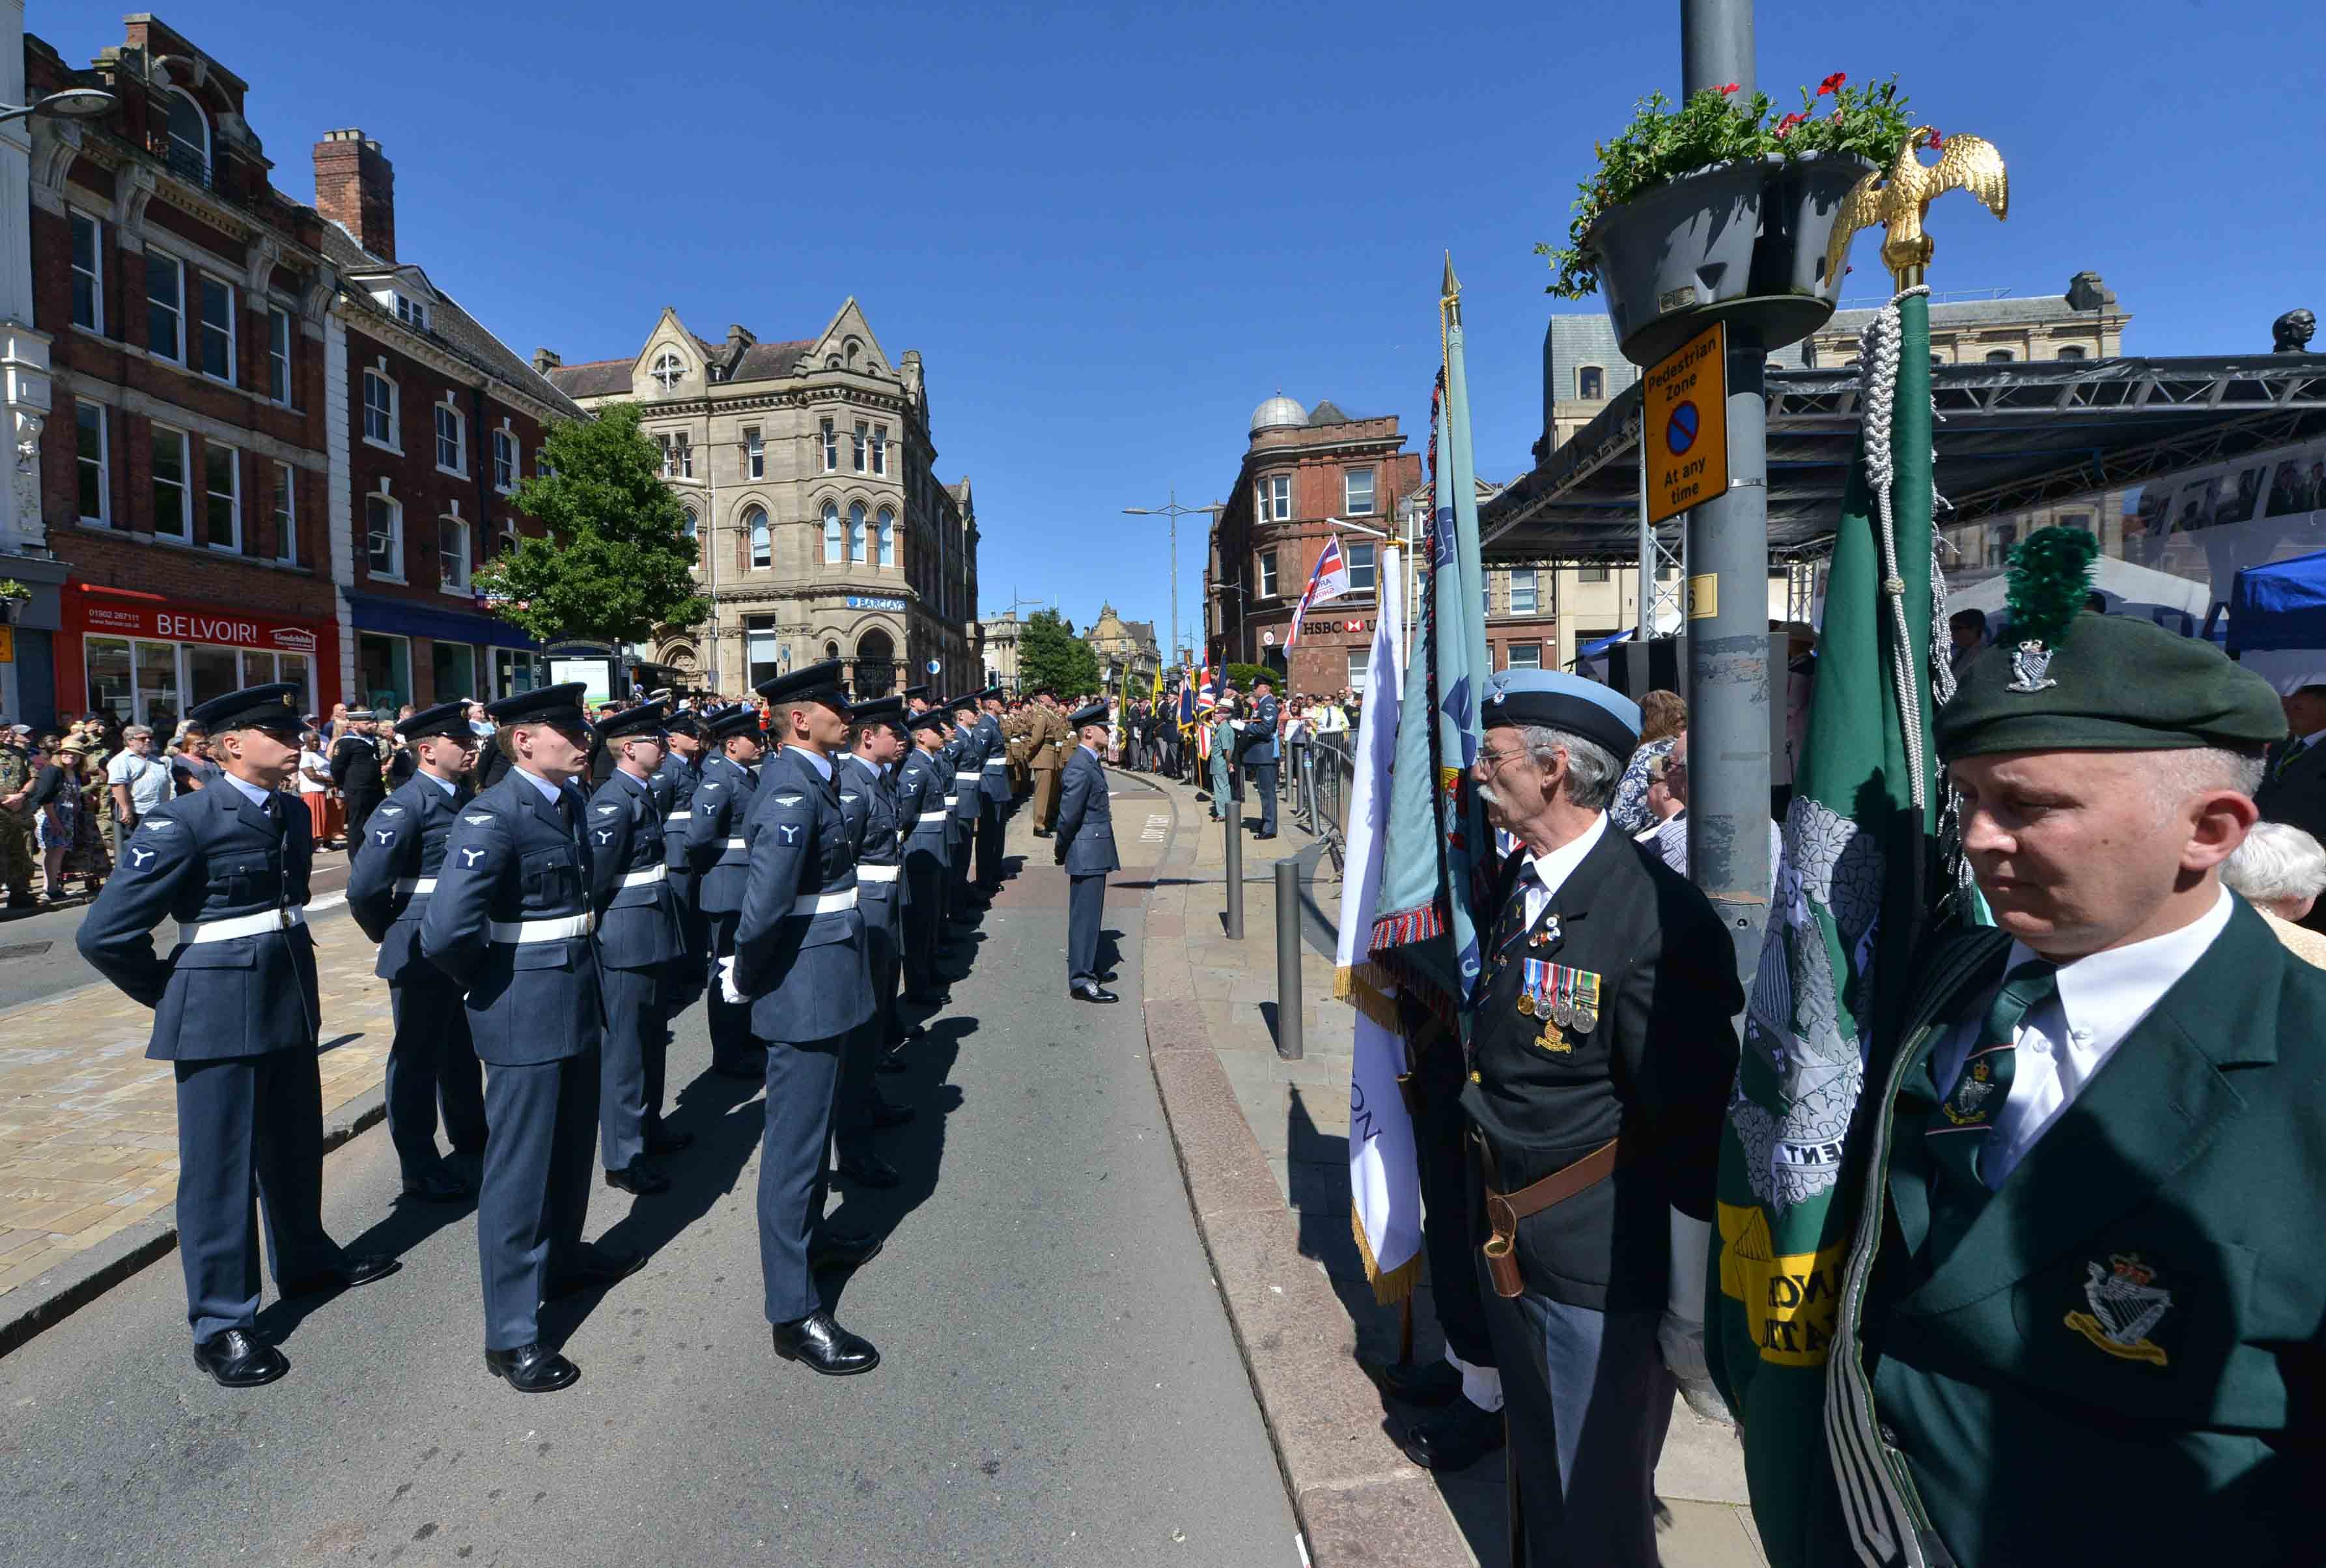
(397,858)
(800,964)
(867,804)
(714,849)
(1601,1056)
(236,1015)
(1261,759)
(993,794)
(640,936)
(674,784)
(511,921)
(921,782)
(2083,1299)
(967,802)
(1086,850)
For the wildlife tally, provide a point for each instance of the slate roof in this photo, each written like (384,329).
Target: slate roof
(761,362)
(1327,413)
(593,378)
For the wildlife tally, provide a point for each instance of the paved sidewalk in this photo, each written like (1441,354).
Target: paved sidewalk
(1296,1122)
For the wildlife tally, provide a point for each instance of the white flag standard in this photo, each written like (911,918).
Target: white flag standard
(1384,1183)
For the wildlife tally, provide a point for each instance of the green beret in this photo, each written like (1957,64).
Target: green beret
(2107,683)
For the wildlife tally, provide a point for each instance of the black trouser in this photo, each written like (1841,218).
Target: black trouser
(250,1132)
(1449,1234)
(632,1067)
(1085,908)
(432,1059)
(535,1195)
(731,1045)
(992,823)
(360,803)
(924,918)
(794,1170)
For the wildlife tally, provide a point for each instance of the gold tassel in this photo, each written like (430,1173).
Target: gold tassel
(1363,987)
(1391,1288)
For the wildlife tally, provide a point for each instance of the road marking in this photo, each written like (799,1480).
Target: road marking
(1158,827)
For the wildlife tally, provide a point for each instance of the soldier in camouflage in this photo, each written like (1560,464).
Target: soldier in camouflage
(15,822)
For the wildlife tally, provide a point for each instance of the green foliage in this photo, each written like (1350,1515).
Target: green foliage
(617,562)
(1050,655)
(2051,574)
(1242,676)
(12,592)
(1717,127)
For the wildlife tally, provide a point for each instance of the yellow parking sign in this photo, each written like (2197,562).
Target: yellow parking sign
(1684,433)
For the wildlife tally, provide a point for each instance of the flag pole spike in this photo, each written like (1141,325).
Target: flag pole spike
(1449,293)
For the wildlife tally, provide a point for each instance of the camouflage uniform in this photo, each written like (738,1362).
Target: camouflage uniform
(15,826)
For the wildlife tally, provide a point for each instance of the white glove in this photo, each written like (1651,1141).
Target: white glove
(1680,1336)
(727,979)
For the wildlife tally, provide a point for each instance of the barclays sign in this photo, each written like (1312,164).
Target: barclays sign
(860,601)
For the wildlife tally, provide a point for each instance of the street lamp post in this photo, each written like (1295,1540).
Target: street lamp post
(1174,511)
(72,104)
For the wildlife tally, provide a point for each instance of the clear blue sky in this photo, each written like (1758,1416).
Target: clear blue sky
(1112,230)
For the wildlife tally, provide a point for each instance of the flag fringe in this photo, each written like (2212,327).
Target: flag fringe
(1393,930)
(1393,1286)
(1365,988)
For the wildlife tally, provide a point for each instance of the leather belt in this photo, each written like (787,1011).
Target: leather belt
(416,884)
(824,902)
(194,933)
(877,873)
(931,816)
(1505,1210)
(544,928)
(641,878)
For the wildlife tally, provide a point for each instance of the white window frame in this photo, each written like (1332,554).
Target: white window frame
(1358,669)
(392,415)
(453,566)
(691,530)
(412,313)
(459,466)
(94,271)
(884,539)
(1267,574)
(1370,569)
(830,448)
(232,494)
(185,533)
(881,448)
(858,440)
(286,514)
(1511,656)
(508,460)
(682,456)
(1583,387)
(509,535)
(754,453)
(1276,498)
(759,533)
(668,371)
(1533,590)
(280,323)
(104,464)
(204,283)
(394,572)
(836,551)
(208,150)
(856,542)
(1349,478)
(175,354)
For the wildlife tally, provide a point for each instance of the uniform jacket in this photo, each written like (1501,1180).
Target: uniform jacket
(1260,732)
(2026,1385)
(714,832)
(638,920)
(1655,1068)
(205,856)
(355,766)
(402,852)
(805,974)
(922,780)
(513,857)
(993,760)
(1085,829)
(868,802)
(1051,741)
(968,774)
(674,784)
(2296,793)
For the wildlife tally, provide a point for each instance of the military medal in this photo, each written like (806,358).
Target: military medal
(1526,1003)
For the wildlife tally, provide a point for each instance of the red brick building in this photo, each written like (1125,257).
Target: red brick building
(184,475)
(1303,470)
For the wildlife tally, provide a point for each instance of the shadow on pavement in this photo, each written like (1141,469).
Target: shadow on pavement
(917,1150)
(405,1226)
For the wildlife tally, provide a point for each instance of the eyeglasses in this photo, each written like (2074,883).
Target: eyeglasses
(1494,759)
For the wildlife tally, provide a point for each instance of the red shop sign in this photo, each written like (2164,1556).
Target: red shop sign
(155,616)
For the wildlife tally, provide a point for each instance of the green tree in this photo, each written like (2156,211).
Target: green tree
(1050,655)
(617,562)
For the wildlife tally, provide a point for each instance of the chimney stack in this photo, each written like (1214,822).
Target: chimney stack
(545,360)
(355,187)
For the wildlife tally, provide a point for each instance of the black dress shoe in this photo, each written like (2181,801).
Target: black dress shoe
(356,1268)
(934,999)
(638,1180)
(238,1358)
(533,1369)
(824,1346)
(1041,833)
(887,1115)
(842,1250)
(1091,991)
(870,1171)
(1456,1440)
(593,1267)
(743,1070)
(659,1143)
(892,1061)
(1432,1383)
(436,1186)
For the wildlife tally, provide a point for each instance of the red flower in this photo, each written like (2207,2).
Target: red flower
(1785,127)
(1936,142)
(1731,87)
(1831,84)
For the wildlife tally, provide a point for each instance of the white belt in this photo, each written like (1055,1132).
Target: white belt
(195,935)
(931,816)
(951,801)
(967,776)
(642,878)
(824,902)
(996,762)
(547,928)
(678,816)
(877,873)
(416,884)
(735,844)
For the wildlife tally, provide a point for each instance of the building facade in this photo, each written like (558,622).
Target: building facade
(809,476)
(1304,471)
(1128,654)
(997,637)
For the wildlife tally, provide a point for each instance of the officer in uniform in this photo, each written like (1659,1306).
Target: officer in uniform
(1086,848)
(867,804)
(714,849)
(1047,730)
(1260,756)
(993,790)
(921,785)
(2082,1300)
(236,1015)
(640,937)
(673,786)
(510,921)
(396,861)
(15,823)
(962,900)
(1601,1056)
(800,963)
(355,768)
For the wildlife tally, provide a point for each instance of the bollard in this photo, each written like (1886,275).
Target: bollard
(1235,856)
(1287,959)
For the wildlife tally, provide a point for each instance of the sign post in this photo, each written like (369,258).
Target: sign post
(1684,428)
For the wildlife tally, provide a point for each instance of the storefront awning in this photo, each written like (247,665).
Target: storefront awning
(405,620)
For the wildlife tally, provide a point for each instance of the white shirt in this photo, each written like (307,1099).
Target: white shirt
(322,765)
(549,792)
(2063,1042)
(147,779)
(823,764)
(1551,870)
(447,785)
(257,794)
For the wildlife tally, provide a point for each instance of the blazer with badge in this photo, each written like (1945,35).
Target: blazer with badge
(714,835)
(674,784)
(968,776)
(993,759)
(638,926)
(395,868)
(869,811)
(921,780)
(1609,1015)
(514,871)
(2125,1343)
(203,859)
(800,958)
(1085,829)
(1258,744)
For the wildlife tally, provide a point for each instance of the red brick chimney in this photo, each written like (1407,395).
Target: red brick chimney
(355,187)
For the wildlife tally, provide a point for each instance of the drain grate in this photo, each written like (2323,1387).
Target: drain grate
(24,950)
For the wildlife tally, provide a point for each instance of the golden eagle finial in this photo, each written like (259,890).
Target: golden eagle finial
(1898,198)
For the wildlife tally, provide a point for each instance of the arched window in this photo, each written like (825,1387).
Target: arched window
(189,138)
(755,521)
(1591,382)
(832,555)
(887,537)
(693,529)
(1998,356)
(832,650)
(856,533)
(855,351)
(668,371)
(2072,351)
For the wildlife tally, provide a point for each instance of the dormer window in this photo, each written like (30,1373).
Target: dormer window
(190,139)
(412,313)
(668,371)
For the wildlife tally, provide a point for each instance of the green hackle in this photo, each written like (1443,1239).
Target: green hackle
(2051,577)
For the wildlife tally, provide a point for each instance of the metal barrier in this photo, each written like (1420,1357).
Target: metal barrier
(1328,765)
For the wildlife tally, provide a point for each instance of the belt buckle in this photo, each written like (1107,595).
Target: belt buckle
(1502,1219)
(589,923)
(283,918)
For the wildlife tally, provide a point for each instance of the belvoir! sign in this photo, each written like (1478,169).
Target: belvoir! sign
(141,618)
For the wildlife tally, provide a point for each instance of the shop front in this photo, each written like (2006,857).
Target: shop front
(147,658)
(424,655)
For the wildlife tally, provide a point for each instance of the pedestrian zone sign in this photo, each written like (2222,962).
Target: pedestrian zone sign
(1684,430)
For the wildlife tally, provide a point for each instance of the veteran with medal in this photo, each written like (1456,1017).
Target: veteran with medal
(1601,1051)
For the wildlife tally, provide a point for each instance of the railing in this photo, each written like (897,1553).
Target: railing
(1326,766)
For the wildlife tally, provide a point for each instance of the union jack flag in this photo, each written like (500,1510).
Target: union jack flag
(1329,580)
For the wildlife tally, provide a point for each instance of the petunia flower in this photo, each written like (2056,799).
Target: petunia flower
(1832,84)
(1730,87)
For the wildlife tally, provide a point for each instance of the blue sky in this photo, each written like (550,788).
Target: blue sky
(1113,230)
